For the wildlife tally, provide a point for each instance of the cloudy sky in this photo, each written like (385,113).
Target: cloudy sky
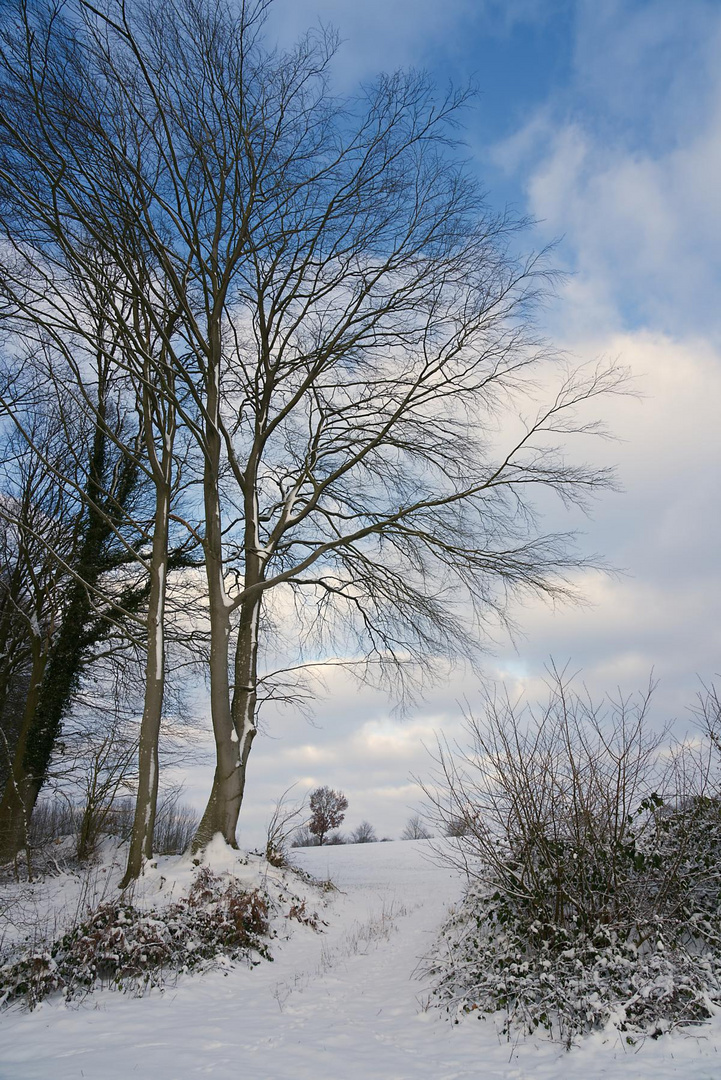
(603,122)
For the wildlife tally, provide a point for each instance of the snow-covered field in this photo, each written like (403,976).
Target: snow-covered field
(347,1004)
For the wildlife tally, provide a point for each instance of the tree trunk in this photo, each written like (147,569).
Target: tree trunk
(23,786)
(141,842)
(89,821)
(158,419)
(15,654)
(245,691)
(234,737)
(221,812)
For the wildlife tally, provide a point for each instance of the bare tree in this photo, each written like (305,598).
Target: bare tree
(303,837)
(343,317)
(175,823)
(364,834)
(94,768)
(79,353)
(69,490)
(327,808)
(70,508)
(415,829)
(110,757)
(155,382)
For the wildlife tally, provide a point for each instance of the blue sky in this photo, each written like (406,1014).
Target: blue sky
(603,122)
(620,97)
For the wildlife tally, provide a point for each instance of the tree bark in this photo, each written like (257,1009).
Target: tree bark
(141,842)
(234,736)
(159,419)
(221,812)
(23,786)
(13,664)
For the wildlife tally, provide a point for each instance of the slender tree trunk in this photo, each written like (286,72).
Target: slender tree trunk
(245,690)
(158,418)
(141,842)
(88,822)
(221,812)
(234,737)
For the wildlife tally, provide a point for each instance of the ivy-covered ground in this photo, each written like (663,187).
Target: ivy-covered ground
(349,1002)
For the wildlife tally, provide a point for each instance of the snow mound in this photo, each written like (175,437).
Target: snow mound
(184,914)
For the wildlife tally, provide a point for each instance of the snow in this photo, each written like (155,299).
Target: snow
(349,1003)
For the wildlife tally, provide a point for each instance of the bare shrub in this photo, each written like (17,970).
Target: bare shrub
(303,837)
(415,829)
(286,821)
(594,864)
(364,834)
(107,776)
(456,827)
(707,712)
(118,818)
(52,819)
(175,824)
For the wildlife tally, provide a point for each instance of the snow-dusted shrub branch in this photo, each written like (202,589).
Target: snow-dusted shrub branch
(594,862)
(285,821)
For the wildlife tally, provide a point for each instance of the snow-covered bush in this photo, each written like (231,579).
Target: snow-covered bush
(124,946)
(569,982)
(594,862)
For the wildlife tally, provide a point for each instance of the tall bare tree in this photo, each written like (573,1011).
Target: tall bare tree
(32,583)
(346,323)
(115,441)
(66,494)
(61,309)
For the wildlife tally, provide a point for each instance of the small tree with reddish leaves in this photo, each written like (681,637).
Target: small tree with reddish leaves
(328,810)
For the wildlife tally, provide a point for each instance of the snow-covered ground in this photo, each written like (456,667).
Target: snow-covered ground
(347,1004)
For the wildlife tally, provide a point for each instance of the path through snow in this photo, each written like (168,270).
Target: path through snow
(342,1005)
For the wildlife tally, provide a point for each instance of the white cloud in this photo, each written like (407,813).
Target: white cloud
(376,35)
(624,166)
(663,529)
(645,232)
